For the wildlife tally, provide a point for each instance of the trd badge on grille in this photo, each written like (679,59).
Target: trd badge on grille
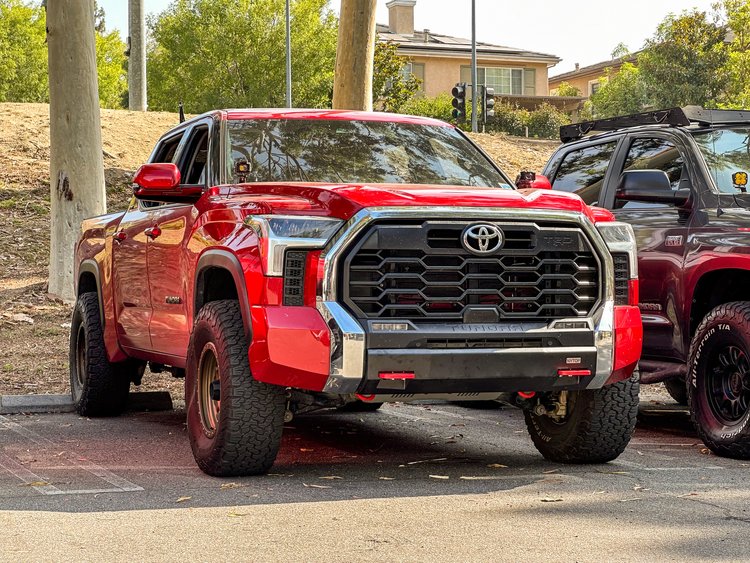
(482,238)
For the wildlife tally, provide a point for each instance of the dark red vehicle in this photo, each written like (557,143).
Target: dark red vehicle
(679,177)
(287,261)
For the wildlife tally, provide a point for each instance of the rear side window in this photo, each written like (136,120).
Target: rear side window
(656,154)
(582,171)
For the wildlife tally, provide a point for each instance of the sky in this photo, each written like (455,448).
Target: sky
(579,31)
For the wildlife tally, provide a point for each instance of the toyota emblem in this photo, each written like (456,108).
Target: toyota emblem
(482,238)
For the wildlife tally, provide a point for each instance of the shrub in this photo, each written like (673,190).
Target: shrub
(439,107)
(509,119)
(545,121)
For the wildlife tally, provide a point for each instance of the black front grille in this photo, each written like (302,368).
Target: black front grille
(622,278)
(422,272)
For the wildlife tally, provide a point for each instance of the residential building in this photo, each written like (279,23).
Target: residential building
(588,78)
(440,61)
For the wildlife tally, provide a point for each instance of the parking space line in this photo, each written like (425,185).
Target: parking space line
(121,484)
(29,478)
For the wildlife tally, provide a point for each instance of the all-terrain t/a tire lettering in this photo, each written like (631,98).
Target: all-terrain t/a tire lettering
(719,384)
(597,428)
(241,434)
(99,388)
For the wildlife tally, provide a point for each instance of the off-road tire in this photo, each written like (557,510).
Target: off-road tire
(250,419)
(725,328)
(597,428)
(360,406)
(677,389)
(102,389)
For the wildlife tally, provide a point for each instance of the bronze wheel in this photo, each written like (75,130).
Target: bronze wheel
(208,387)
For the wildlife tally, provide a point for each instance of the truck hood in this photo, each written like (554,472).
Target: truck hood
(344,200)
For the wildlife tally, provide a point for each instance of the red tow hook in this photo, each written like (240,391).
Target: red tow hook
(527,394)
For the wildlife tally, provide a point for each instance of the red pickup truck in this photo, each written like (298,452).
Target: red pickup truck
(285,261)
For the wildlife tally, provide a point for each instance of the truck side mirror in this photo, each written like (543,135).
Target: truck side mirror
(529,180)
(161,182)
(650,186)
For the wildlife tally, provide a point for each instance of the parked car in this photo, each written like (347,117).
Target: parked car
(290,260)
(679,177)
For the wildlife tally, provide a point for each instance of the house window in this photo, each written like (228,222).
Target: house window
(417,69)
(594,87)
(505,81)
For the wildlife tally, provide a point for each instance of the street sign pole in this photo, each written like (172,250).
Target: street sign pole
(474,86)
(288,56)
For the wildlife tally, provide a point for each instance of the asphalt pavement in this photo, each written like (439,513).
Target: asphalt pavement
(426,482)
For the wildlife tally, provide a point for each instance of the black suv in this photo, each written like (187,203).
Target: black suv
(679,177)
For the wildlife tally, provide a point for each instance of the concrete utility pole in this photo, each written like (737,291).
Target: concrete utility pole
(137,60)
(76,165)
(352,82)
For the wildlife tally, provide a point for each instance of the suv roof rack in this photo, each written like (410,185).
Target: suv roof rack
(676,117)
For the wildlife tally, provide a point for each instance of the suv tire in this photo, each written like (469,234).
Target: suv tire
(677,389)
(719,380)
(597,428)
(98,387)
(239,434)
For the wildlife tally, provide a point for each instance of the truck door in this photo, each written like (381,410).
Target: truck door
(662,232)
(132,297)
(170,280)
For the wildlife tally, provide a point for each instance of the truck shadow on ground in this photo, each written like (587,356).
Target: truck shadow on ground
(324,457)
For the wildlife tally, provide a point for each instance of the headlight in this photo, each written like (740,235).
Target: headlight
(279,232)
(621,238)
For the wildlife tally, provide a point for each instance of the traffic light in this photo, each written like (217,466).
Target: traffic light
(459,101)
(488,104)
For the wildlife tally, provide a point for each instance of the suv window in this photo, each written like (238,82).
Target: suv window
(582,171)
(654,154)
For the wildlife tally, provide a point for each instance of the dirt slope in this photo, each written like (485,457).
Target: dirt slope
(33,329)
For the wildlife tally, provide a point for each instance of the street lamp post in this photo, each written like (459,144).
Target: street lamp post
(474,86)
(288,56)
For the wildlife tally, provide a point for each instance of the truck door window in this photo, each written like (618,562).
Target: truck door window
(167,150)
(655,154)
(582,171)
(194,162)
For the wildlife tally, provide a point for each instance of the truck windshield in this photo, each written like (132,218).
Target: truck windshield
(727,153)
(357,152)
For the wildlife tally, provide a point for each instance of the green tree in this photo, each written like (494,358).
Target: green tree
(23,52)
(111,64)
(737,14)
(685,61)
(23,56)
(392,88)
(620,93)
(567,89)
(230,53)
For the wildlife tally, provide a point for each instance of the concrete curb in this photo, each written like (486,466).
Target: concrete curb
(15,404)
(40,404)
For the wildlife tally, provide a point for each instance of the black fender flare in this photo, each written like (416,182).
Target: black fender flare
(225,260)
(91,266)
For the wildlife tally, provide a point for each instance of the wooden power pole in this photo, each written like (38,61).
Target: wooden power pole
(352,82)
(76,165)
(137,57)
